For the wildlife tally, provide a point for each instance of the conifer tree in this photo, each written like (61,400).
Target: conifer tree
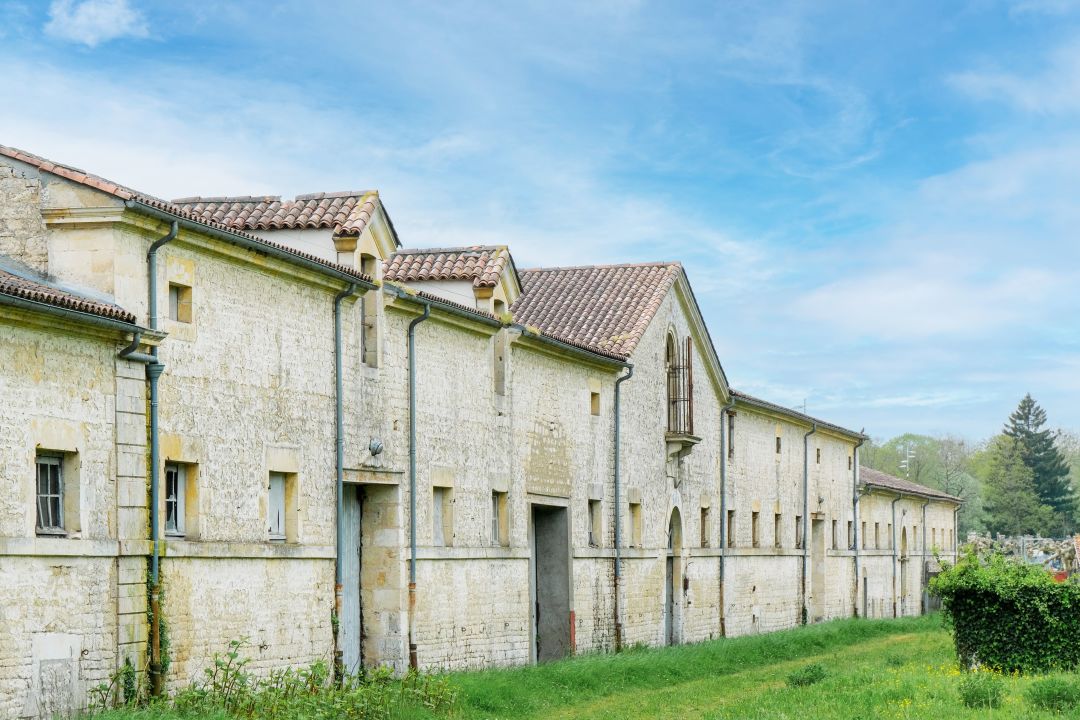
(1049,470)
(1012,503)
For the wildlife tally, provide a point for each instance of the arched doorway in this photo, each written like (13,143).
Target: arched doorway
(673,580)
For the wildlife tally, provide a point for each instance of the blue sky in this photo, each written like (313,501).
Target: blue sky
(876,205)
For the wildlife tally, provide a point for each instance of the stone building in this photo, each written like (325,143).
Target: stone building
(369,455)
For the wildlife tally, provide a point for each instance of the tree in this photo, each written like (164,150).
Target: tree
(1012,502)
(1049,469)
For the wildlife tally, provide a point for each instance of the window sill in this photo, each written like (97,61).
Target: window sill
(51,532)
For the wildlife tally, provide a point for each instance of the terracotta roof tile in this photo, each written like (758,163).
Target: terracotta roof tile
(42,291)
(346,213)
(601,306)
(876,478)
(483,265)
(751,400)
(125,193)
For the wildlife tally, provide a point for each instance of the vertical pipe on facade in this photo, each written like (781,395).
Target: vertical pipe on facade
(855,520)
(412,481)
(892,544)
(956,533)
(339,423)
(618,504)
(725,439)
(153,372)
(922,559)
(806,516)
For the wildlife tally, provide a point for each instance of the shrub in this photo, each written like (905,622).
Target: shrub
(812,673)
(982,689)
(1056,694)
(1009,616)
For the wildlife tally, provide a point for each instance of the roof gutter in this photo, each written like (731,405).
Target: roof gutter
(568,348)
(249,244)
(76,315)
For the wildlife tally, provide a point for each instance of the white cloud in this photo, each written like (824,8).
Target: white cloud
(92,22)
(1053,89)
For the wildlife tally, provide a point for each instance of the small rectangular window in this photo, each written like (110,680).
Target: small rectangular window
(50,494)
(798,531)
(635,524)
(850,538)
(176,499)
(933,537)
(755,533)
(835,539)
(705,529)
(777,444)
(731,436)
(865,541)
(890,536)
(877,536)
(179,303)
(819,456)
(778,530)
(594,403)
(594,523)
(276,506)
(731,528)
(914,537)
(848,462)
(496,512)
(439,511)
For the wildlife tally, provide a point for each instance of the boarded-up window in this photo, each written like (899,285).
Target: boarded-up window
(276,506)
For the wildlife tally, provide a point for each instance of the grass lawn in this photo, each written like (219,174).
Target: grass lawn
(873,669)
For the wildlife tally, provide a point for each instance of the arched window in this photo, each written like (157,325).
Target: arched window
(680,387)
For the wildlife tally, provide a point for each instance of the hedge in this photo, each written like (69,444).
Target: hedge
(1010,616)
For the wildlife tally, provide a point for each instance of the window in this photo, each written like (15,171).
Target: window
(731,528)
(731,436)
(594,403)
(778,530)
(755,532)
(864,540)
(933,537)
(890,536)
(277,506)
(369,321)
(850,539)
(499,519)
(819,456)
(835,540)
(877,535)
(635,524)
(705,527)
(441,520)
(176,500)
(915,537)
(848,462)
(680,387)
(798,531)
(594,523)
(50,494)
(179,303)
(777,444)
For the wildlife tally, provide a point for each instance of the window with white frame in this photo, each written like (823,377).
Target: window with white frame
(175,499)
(276,506)
(50,494)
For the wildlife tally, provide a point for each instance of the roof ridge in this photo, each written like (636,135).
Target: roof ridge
(458,249)
(611,266)
(336,194)
(226,198)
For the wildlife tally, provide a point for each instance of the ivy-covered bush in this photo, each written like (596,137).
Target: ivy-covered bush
(1010,616)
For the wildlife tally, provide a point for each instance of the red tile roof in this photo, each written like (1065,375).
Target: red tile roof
(347,213)
(126,193)
(765,404)
(601,306)
(876,478)
(40,290)
(482,265)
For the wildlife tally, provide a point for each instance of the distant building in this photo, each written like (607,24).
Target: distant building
(279,350)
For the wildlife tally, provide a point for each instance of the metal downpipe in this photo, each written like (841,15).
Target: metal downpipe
(806,517)
(412,482)
(339,421)
(892,544)
(855,522)
(725,440)
(153,373)
(618,506)
(922,562)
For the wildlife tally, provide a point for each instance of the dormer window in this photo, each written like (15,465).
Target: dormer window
(680,387)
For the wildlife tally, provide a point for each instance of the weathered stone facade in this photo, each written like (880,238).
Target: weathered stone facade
(515,505)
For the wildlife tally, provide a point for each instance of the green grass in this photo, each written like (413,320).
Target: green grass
(872,669)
